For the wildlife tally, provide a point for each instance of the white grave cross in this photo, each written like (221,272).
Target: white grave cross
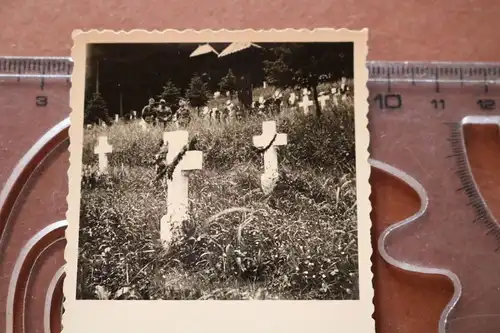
(177,194)
(270,175)
(322,100)
(103,148)
(305,104)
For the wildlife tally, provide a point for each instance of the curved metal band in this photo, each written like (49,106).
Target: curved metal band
(26,261)
(8,197)
(25,168)
(49,299)
(424,199)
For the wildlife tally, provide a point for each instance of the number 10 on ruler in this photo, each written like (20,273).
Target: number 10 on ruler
(389,101)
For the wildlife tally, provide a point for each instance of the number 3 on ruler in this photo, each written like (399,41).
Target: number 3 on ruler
(42,101)
(389,101)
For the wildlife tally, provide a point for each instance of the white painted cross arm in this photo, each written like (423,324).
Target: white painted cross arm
(306,103)
(322,100)
(103,148)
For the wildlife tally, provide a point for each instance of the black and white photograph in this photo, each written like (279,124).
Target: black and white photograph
(220,170)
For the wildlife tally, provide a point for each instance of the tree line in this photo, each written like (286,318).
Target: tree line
(285,65)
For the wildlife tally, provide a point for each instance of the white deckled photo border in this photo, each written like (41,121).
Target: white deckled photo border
(220,316)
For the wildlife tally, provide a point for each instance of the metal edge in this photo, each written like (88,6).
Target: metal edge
(424,199)
(28,278)
(25,168)
(18,267)
(49,298)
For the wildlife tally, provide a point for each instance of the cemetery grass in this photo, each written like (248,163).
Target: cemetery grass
(300,242)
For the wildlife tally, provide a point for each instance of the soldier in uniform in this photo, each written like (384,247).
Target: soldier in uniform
(149,112)
(183,116)
(164,113)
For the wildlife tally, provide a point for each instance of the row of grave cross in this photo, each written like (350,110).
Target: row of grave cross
(305,103)
(177,193)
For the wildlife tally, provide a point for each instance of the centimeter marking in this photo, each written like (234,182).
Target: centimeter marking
(380,72)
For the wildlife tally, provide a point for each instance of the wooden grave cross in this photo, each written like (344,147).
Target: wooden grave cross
(177,193)
(322,100)
(305,104)
(270,176)
(103,148)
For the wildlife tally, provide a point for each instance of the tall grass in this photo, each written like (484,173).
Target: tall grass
(300,242)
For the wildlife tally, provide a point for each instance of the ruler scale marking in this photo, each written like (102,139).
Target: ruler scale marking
(468,89)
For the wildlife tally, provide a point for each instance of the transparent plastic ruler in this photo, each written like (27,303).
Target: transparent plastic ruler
(420,115)
(419,119)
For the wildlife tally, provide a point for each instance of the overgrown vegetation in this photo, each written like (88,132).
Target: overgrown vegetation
(298,243)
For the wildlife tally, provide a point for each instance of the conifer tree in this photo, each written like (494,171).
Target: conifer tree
(171,94)
(197,93)
(96,110)
(228,82)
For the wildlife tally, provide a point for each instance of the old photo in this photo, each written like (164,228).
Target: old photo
(222,165)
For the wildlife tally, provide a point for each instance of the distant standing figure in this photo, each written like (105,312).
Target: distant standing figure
(133,115)
(164,113)
(277,101)
(149,112)
(215,115)
(183,116)
(245,91)
(229,111)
